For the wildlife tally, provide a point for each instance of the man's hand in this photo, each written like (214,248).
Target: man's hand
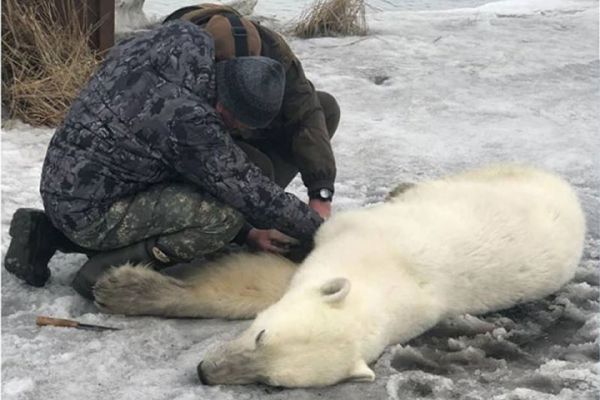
(270,240)
(323,208)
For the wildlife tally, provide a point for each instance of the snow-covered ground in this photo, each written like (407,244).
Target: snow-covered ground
(432,89)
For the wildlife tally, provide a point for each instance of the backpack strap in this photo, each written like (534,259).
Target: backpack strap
(180,13)
(200,15)
(240,35)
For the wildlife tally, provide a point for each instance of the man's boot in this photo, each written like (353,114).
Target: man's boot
(34,242)
(145,252)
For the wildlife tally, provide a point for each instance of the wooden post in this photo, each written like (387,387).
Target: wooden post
(99,15)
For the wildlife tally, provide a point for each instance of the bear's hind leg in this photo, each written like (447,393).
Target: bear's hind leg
(140,290)
(235,287)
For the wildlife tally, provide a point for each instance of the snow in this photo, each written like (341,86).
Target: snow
(129,15)
(437,86)
(16,386)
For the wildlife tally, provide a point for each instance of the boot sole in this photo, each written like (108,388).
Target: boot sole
(23,224)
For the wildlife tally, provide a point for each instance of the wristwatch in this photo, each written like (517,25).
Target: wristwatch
(323,194)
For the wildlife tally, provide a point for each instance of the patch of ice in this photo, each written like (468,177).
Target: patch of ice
(14,387)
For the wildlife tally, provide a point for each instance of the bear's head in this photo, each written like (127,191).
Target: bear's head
(305,339)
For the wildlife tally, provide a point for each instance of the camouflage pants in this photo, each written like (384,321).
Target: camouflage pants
(186,222)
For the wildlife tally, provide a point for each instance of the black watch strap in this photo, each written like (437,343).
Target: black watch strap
(322,194)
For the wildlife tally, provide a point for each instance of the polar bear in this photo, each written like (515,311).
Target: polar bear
(471,243)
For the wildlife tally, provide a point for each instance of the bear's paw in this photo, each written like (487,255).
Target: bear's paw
(131,290)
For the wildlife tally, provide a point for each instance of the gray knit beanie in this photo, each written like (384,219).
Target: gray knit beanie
(251,88)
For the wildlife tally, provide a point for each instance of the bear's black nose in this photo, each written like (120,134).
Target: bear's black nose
(201,375)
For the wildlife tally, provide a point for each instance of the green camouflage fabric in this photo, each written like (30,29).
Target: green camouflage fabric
(187,222)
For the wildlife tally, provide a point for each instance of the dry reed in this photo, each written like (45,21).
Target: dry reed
(44,63)
(332,18)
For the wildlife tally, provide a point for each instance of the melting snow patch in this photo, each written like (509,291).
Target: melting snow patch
(14,387)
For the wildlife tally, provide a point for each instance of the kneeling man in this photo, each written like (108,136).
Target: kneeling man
(144,170)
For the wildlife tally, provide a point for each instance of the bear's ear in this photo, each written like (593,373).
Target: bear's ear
(362,373)
(335,290)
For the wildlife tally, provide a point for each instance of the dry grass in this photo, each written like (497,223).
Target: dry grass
(44,64)
(333,18)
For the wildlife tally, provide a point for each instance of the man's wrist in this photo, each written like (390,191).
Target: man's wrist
(242,235)
(322,194)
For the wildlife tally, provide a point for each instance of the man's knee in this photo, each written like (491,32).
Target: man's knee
(217,220)
(331,109)
(197,241)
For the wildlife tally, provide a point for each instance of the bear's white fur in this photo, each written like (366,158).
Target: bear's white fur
(471,243)
(234,287)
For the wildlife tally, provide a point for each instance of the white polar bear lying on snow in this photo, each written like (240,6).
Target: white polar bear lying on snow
(471,243)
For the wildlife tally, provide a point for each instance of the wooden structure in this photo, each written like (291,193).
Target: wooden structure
(99,15)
